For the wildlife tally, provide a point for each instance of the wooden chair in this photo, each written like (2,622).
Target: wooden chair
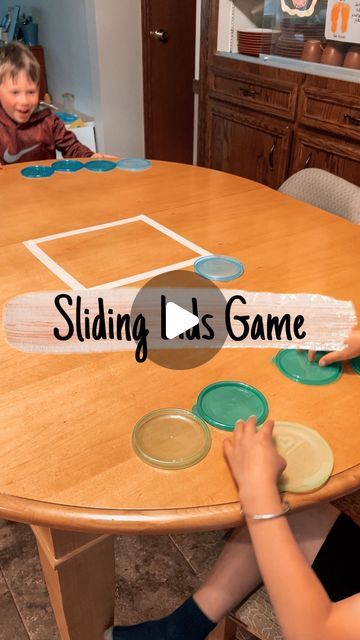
(255,617)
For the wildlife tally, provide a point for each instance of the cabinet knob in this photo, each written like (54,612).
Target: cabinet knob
(248,93)
(352,120)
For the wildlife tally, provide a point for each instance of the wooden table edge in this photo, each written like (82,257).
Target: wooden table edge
(159,521)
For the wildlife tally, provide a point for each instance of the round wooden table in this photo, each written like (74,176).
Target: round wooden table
(67,464)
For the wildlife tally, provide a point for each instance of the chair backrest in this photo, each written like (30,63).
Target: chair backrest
(326,191)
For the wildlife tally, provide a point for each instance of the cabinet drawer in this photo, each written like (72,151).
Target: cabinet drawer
(248,144)
(335,114)
(260,94)
(315,150)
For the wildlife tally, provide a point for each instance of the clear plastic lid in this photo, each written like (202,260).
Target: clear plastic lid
(134,164)
(218,268)
(171,439)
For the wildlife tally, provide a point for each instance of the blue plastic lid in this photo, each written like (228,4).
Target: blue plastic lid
(134,164)
(67,166)
(100,165)
(66,117)
(220,268)
(37,171)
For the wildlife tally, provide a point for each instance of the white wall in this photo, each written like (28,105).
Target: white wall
(120,82)
(93,49)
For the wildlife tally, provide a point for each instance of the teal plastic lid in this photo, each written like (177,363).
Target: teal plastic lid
(66,117)
(67,166)
(355,363)
(222,404)
(296,365)
(100,165)
(37,171)
(171,439)
(218,268)
(134,164)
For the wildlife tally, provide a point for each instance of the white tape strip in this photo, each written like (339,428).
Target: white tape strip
(67,278)
(53,266)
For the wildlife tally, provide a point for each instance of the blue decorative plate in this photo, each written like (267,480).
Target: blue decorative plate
(37,171)
(66,117)
(134,164)
(100,165)
(219,268)
(67,166)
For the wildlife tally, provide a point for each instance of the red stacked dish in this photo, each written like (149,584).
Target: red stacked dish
(294,35)
(252,42)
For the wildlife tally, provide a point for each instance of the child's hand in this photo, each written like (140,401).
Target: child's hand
(252,457)
(102,156)
(352,350)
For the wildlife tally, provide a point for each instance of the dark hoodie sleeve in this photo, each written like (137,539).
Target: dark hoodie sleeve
(67,142)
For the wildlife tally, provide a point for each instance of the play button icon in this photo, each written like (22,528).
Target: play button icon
(178,320)
(185,319)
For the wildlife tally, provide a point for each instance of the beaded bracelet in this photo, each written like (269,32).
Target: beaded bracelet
(268,516)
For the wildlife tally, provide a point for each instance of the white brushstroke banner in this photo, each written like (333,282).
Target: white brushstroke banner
(118,320)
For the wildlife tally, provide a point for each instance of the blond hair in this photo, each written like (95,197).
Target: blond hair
(14,58)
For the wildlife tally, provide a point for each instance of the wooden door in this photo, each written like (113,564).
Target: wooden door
(248,144)
(168,63)
(312,149)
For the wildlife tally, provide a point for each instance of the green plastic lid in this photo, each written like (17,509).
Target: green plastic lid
(296,365)
(222,404)
(171,439)
(309,458)
(355,363)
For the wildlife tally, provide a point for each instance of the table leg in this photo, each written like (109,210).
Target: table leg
(79,570)
(225,630)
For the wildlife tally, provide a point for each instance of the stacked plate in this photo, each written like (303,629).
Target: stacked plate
(252,42)
(294,35)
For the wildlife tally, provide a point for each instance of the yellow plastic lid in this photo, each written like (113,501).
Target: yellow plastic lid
(309,457)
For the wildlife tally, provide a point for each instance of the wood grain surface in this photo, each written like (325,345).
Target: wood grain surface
(66,421)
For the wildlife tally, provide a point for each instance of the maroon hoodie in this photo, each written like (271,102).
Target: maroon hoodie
(37,139)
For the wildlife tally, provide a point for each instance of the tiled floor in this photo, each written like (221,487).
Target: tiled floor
(154,575)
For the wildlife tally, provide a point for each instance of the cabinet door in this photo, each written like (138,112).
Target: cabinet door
(325,152)
(249,145)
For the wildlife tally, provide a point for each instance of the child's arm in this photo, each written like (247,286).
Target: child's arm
(301,603)
(352,350)
(67,142)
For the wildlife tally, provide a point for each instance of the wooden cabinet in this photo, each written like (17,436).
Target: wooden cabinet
(266,123)
(267,128)
(312,149)
(248,144)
